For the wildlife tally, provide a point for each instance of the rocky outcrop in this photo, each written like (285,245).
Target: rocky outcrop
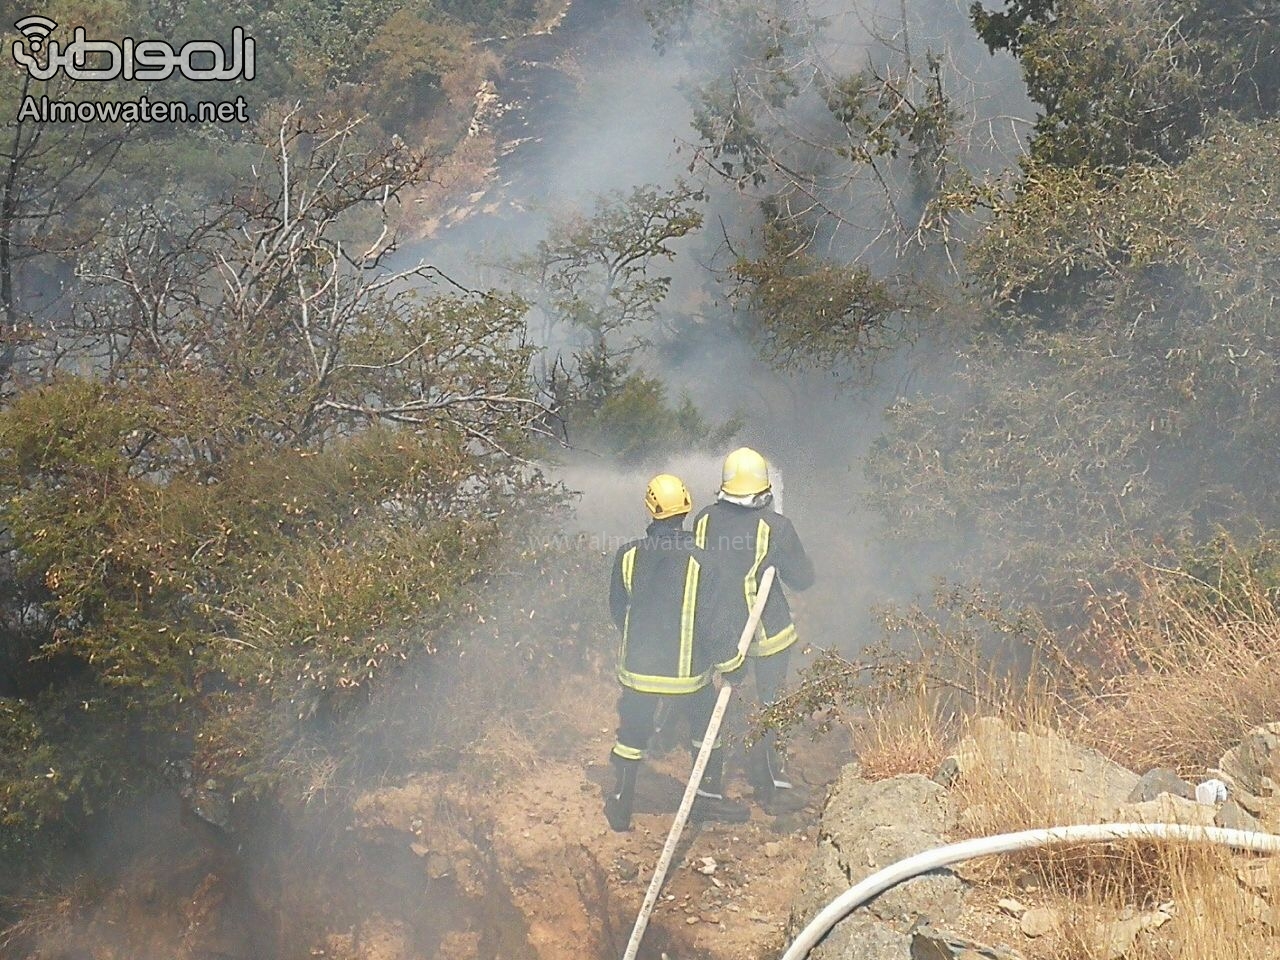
(1157,781)
(1251,771)
(867,826)
(1254,765)
(870,825)
(1058,767)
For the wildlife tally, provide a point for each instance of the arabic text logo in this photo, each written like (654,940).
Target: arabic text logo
(84,59)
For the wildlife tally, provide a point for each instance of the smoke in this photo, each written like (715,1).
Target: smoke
(595,108)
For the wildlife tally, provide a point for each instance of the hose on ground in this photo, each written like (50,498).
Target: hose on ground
(953,853)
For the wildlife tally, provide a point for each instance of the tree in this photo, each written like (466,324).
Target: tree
(595,286)
(50,175)
(811,311)
(593,281)
(1121,82)
(1143,412)
(275,490)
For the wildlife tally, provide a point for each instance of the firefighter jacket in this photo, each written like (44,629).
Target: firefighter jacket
(664,599)
(746,541)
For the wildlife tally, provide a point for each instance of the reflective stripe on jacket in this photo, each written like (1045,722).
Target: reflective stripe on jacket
(663,599)
(745,542)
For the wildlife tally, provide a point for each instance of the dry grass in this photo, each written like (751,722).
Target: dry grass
(1212,913)
(1015,781)
(1221,901)
(910,735)
(48,917)
(1193,667)
(1195,678)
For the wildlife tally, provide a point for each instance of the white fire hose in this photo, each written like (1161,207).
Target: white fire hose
(945,856)
(695,778)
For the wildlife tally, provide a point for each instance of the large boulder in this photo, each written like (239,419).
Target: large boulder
(1166,808)
(867,826)
(1253,766)
(1161,780)
(1016,761)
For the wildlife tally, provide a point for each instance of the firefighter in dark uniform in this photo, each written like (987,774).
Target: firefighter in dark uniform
(747,535)
(663,600)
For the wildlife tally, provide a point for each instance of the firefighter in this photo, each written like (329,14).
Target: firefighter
(662,597)
(747,536)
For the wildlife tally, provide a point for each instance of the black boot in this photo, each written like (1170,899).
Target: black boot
(760,773)
(618,803)
(711,803)
(772,788)
(713,806)
(773,763)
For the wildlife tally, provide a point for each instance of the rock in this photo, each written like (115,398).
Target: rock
(1094,783)
(1014,908)
(1269,917)
(866,826)
(772,849)
(948,772)
(928,943)
(1252,764)
(1117,939)
(626,869)
(1234,817)
(1166,808)
(1157,781)
(1039,921)
(706,866)
(438,866)
(1257,875)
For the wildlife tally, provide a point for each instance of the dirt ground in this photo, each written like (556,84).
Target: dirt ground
(507,856)
(539,832)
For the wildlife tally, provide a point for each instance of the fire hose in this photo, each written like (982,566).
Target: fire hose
(695,778)
(953,853)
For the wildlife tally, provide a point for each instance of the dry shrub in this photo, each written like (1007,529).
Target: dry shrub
(907,735)
(1028,787)
(48,915)
(1196,669)
(1215,897)
(1220,912)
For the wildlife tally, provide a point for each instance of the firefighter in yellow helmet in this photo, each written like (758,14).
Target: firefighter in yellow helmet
(663,600)
(747,536)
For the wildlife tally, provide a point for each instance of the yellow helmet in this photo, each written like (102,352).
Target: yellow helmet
(667,496)
(745,473)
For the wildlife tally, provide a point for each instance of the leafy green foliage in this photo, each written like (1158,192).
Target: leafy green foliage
(596,284)
(812,311)
(636,422)
(277,492)
(1122,82)
(838,153)
(1141,408)
(594,277)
